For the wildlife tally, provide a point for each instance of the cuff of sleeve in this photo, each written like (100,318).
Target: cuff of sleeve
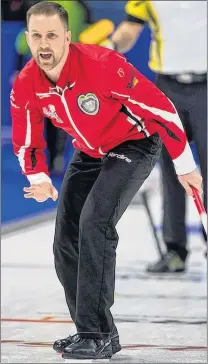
(185,162)
(133,19)
(38,178)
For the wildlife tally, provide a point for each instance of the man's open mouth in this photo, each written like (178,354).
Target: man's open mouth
(45,56)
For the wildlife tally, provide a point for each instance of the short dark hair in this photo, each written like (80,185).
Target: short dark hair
(48,8)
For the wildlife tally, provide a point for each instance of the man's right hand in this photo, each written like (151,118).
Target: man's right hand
(41,192)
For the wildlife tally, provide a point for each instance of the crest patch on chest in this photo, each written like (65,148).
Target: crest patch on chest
(88,103)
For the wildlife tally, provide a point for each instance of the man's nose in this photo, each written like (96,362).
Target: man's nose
(44,43)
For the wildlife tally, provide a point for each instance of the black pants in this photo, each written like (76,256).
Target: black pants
(94,195)
(56,141)
(191,103)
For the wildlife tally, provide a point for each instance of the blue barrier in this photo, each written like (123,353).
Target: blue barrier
(9,59)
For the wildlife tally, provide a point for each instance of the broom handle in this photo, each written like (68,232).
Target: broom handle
(200,208)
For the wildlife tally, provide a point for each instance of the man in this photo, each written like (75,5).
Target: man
(115,116)
(178,54)
(56,138)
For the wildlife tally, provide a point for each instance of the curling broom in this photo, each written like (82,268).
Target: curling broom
(200,207)
(97,32)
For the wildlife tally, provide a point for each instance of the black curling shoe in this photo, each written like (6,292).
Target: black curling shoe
(88,349)
(60,345)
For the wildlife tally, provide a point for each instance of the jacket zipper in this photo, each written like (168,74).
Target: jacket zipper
(72,122)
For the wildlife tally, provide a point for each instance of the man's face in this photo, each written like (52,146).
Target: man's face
(47,39)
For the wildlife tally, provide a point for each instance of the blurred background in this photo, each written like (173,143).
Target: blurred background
(167,312)
(14,56)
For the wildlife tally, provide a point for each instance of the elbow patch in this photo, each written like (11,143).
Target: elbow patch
(33,158)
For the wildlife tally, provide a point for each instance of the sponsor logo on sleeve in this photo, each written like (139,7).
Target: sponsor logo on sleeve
(120,72)
(12,100)
(133,81)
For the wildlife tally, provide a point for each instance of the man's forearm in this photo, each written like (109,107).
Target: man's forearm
(126,36)
(123,42)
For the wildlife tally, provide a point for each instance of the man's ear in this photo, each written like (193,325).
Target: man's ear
(27,37)
(69,36)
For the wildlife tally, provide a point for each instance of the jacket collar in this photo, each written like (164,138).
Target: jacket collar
(68,76)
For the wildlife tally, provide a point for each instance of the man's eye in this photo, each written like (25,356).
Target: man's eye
(36,35)
(51,35)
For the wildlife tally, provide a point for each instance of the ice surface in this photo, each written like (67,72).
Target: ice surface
(161,319)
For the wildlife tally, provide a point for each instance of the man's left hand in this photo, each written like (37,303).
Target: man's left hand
(193,179)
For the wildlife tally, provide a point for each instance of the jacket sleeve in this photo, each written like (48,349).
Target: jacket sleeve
(27,134)
(150,108)
(136,11)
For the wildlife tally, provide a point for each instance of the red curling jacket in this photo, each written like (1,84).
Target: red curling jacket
(101,100)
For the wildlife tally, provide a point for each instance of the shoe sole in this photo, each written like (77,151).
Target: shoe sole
(167,271)
(115,349)
(107,355)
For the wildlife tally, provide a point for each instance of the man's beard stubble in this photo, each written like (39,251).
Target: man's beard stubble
(47,65)
(52,64)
